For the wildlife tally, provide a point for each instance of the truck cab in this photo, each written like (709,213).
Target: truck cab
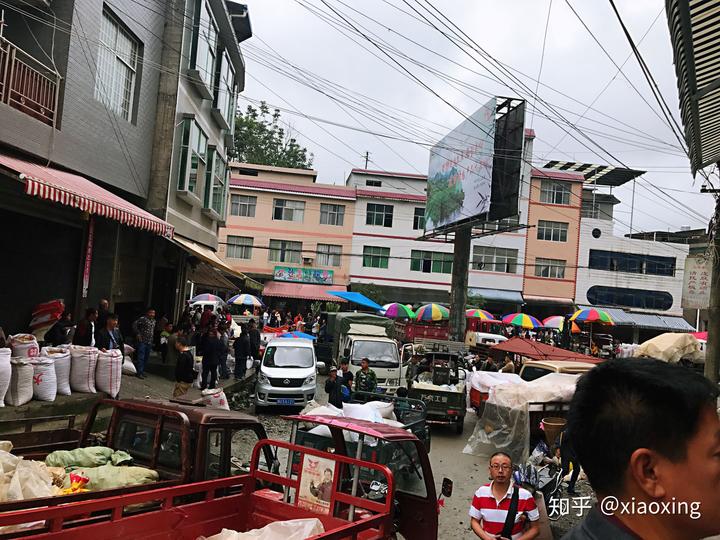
(381,351)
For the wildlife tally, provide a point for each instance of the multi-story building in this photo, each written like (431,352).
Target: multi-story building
(289,232)
(83,88)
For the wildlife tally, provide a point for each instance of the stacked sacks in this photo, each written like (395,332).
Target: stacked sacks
(108,372)
(44,379)
(5,373)
(24,346)
(82,369)
(20,390)
(61,363)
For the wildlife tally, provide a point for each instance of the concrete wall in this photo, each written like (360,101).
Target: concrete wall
(116,153)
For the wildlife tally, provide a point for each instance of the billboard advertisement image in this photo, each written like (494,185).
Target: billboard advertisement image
(461,171)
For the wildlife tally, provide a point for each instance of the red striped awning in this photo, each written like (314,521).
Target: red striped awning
(79,192)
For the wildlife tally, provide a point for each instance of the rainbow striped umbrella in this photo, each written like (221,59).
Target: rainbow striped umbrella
(398,311)
(592,315)
(479,314)
(245,300)
(523,320)
(206,297)
(556,321)
(432,312)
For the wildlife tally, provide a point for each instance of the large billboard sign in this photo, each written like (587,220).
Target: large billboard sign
(461,171)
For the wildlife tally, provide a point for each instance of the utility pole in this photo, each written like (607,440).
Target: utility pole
(458,288)
(713,343)
(367,159)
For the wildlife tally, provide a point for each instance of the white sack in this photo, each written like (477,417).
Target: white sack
(128,368)
(20,390)
(108,372)
(24,345)
(61,361)
(82,369)
(44,379)
(484,380)
(30,481)
(215,399)
(5,373)
(386,410)
(292,529)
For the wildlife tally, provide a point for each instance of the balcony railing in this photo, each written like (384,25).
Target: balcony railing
(26,84)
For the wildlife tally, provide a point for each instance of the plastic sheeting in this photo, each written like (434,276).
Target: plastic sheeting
(505,422)
(670,348)
(292,529)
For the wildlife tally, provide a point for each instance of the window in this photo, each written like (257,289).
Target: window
(553,231)
(225,90)
(285,251)
(494,259)
(376,257)
(550,268)
(555,192)
(615,261)
(633,298)
(216,183)
(193,156)
(328,255)
(419,219)
(373,183)
(239,247)
(243,205)
(135,438)
(286,210)
(170,449)
(431,262)
(116,67)
(379,214)
(332,214)
(205,44)
(214,453)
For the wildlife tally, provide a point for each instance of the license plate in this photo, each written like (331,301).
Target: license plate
(286,401)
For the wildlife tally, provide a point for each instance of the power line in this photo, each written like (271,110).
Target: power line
(542,58)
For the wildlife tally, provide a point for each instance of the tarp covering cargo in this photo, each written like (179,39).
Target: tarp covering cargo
(505,422)
(536,350)
(671,347)
(483,381)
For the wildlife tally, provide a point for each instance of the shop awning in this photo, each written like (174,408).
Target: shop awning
(646,321)
(497,295)
(548,300)
(356,298)
(209,276)
(207,255)
(79,192)
(304,291)
(541,351)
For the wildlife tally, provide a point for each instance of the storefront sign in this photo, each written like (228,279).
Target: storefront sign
(696,283)
(303,275)
(88,257)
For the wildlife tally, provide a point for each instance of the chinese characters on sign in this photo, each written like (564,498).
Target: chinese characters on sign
(696,283)
(303,275)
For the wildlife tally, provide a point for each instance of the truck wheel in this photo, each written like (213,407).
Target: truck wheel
(460,426)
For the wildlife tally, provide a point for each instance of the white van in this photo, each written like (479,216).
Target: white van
(382,353)
(287,374)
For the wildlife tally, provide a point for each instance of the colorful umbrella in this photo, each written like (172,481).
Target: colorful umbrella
(591,315)
(206,297)
(575,328)
(297,335)
(556,321)
(479,314)
(245,300)
(523,320)
(432,312)
(398,311)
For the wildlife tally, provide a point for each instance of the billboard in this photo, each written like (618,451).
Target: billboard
(696,283)
(461,170)
(508,159)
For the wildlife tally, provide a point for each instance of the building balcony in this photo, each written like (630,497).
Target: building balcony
(26,84)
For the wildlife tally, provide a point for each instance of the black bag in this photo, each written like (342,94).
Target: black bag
(512,512)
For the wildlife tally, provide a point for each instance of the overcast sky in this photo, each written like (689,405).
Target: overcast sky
(512,32)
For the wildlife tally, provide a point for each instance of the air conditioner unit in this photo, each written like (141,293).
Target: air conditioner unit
(308,260)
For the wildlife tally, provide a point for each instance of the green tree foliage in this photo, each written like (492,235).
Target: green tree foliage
(260,139)
(444,199)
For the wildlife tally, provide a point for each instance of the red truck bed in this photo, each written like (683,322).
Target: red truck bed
(205,508)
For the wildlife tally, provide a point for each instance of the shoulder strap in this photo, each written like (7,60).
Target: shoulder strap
(512,512)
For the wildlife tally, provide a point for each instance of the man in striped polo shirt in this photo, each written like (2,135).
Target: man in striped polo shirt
(493,501)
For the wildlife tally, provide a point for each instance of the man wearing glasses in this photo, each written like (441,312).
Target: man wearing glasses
(501,510)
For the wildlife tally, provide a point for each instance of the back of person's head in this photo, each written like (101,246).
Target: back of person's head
(623,405)
(183,341)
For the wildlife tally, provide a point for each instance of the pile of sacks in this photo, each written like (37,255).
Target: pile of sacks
(372,411)
(424,382)
(27,372)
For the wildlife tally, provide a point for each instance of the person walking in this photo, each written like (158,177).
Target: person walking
(212,349)
(254,336)
(144,328)
(185,372)
(110,338)
(366,380)
(85,330)
(265,317)
(58,333)
(412,370)
(225,340)
(242,352)
(333,388)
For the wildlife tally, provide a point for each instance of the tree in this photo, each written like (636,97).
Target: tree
(260,139)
